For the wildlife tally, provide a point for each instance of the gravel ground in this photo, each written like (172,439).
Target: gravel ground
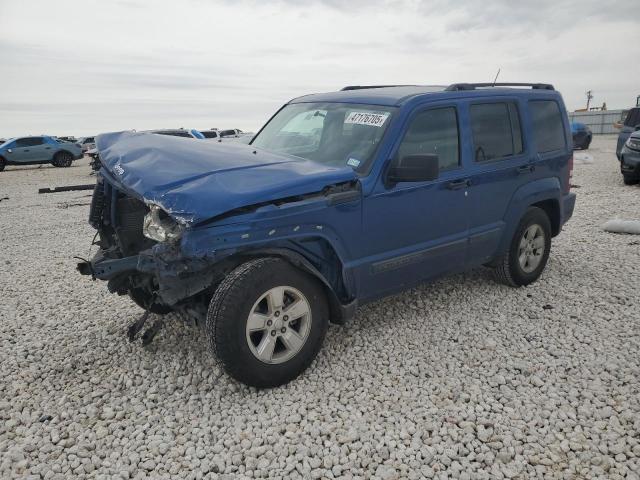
(462,378)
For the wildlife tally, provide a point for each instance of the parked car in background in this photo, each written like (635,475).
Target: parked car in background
(630,159)
(232,132)
(38,149)
(68,138)
(341,199)
(631,123)
(581,135)
(210,134)
(87,143)
(178,132)
(236,135)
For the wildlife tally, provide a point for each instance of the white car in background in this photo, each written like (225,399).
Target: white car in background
(236,135)
(87,143)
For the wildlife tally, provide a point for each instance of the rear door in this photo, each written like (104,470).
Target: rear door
(417,230)
(500,164)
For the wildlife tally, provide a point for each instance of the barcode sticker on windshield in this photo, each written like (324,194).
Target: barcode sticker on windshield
(367,118)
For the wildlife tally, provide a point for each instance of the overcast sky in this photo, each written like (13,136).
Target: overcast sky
(84,67)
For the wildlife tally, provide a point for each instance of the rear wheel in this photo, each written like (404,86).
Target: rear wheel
(528,251)
(266,322)
(3,163)
(62,159)
(586,143)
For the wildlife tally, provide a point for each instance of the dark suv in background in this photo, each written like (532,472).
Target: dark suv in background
(631,124)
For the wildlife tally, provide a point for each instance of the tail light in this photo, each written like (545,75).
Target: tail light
(570,174)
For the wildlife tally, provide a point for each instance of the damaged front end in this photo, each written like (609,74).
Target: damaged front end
(139,253)
(165,265)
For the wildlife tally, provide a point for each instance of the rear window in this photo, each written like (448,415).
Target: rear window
(548,129)
(496,130)
(633,118)
(209,134)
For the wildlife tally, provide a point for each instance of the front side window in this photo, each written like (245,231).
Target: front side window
(547,125)
(336,134)
(434,132)
(29,142)
(496,130)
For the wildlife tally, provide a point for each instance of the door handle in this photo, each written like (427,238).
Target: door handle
(458,184)
(47,148)
(525,169)
(25,150)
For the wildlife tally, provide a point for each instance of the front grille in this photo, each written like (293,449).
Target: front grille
(97,206)
(129,217)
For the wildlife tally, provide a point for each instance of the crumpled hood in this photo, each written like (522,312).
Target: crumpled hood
(196,180)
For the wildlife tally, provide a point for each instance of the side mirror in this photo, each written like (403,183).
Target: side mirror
(415,168)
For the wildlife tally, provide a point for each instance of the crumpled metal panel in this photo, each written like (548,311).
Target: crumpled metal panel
(195,181)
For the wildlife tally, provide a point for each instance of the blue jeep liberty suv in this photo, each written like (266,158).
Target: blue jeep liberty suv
(340,199)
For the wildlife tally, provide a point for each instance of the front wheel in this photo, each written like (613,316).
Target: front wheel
(3,163)
(266,322)
(528,251)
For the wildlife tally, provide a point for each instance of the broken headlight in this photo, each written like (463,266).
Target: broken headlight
(159,226)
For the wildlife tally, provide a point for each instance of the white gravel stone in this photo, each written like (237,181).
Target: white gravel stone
(462,378)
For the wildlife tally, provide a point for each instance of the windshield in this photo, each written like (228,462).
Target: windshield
(336,134)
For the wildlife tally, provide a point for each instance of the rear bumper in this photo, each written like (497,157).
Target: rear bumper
(568,204)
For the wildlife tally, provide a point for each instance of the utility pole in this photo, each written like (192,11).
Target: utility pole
(589,97)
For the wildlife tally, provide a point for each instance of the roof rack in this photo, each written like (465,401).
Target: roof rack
(366,87)
(472,86)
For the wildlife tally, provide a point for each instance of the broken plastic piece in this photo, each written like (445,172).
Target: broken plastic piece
(135,327)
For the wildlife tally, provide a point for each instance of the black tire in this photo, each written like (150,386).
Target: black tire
(3,163)
(508,269)
(142,298)
(586,143)
(231,306)
(630,180)
(62,159)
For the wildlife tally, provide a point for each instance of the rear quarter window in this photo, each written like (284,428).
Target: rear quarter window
(548,128)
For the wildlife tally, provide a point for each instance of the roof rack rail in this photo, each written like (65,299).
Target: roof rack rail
(472,86)
(366,87)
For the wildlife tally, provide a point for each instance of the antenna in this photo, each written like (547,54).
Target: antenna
(495,79)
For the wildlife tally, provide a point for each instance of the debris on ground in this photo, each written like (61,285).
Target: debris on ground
(68,188)
(622,226)
(460,378)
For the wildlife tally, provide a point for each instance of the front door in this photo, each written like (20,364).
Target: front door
(416,231)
